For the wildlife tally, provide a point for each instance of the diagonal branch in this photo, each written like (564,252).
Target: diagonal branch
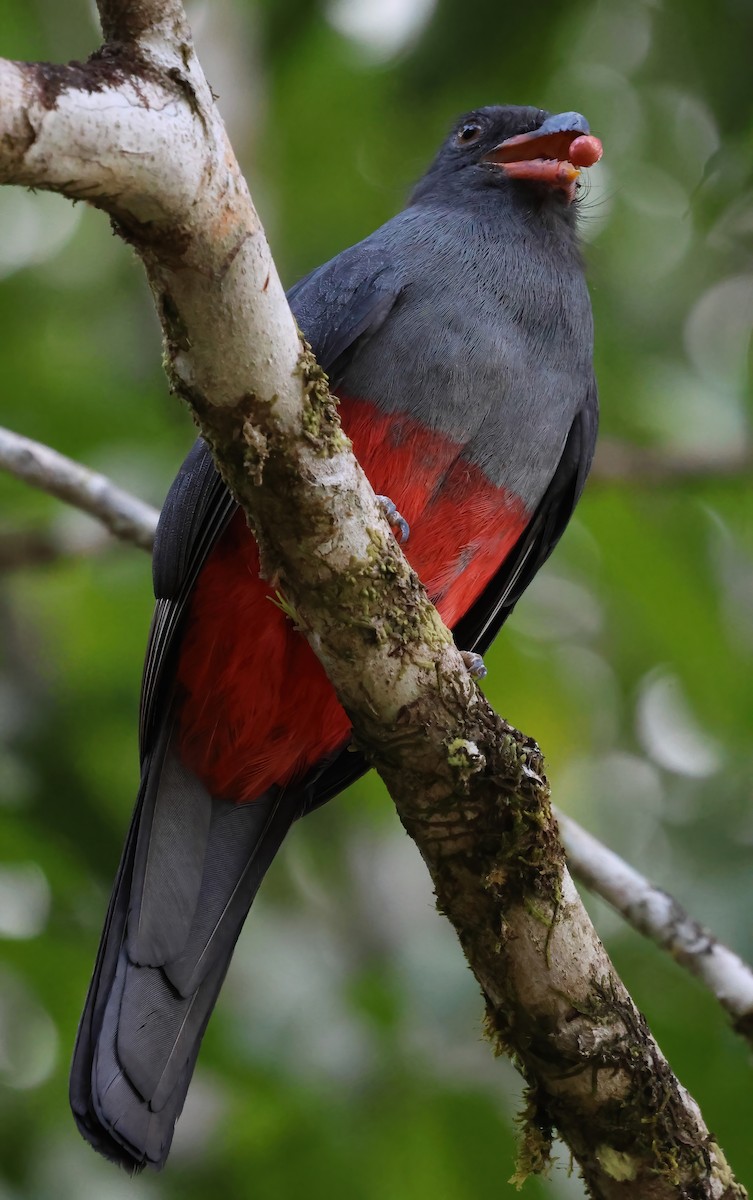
(123,514)
(137,128)
(23,548)
(657,915)
(620,462)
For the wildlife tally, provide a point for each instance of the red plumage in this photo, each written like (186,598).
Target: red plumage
(257,707)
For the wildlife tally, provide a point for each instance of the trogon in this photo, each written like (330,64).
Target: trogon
(458,338)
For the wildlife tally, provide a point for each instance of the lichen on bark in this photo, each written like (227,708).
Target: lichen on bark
(320,420)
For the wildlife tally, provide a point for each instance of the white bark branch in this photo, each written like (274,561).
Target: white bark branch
(127,517)
(657,915)
(136,132)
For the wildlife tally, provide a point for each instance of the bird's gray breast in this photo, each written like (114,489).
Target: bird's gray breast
(488,343)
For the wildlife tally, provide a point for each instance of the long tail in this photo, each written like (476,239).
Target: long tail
(191,867)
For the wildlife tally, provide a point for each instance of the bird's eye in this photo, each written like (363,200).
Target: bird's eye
(470,132)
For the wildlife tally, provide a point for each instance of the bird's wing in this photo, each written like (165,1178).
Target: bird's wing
(343,302)
(480,625)
(196,511)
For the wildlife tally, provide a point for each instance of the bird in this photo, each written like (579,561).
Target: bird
(458,339)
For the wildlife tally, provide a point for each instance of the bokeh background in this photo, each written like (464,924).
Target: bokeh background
(346,1057)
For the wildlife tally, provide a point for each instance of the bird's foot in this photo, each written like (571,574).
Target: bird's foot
(474,664)
(389,510)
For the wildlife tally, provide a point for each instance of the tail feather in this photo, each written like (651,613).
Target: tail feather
(127,1130)
(146,1048)
(244,840)
(190,870)
(168,862)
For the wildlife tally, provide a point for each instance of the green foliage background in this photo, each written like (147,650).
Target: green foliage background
(346,1057)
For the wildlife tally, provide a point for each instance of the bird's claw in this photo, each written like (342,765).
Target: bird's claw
(389,510)
(474,664)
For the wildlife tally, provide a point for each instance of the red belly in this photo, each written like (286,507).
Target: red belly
(258,708)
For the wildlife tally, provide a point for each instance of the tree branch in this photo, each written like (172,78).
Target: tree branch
(620,462)
(22,548)
(149,145)
(127,517)
(657,915)
(143,20)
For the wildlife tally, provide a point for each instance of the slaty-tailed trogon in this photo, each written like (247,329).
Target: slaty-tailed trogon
(459,340)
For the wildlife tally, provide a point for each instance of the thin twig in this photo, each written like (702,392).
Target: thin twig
(657,915)
(620,462)
(22,548)
(127,517)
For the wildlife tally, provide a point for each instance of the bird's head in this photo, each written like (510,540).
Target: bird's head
(512,148)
